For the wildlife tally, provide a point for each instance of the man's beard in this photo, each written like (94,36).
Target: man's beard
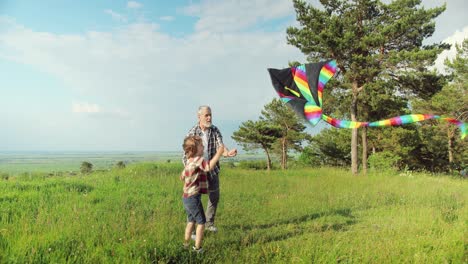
(207,124)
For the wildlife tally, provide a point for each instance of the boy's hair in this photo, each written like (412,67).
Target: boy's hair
(190,145)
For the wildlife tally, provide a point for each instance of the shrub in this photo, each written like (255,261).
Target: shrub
(253,165)
(86,167)
(228,164)
(384,160)
(120,165)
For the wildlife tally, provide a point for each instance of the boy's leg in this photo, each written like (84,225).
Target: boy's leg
(188,231)
(198,240)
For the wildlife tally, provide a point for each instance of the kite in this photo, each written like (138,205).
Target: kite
(302,88)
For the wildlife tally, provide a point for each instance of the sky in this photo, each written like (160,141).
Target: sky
(113,75)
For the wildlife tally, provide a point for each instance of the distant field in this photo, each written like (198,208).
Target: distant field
(16,162)
(21,162)
(135,215)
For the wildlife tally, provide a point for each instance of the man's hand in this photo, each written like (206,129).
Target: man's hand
(231,153)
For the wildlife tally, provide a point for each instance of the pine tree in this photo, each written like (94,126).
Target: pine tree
(258,135)
(370,41)
(291,133)
(452,101)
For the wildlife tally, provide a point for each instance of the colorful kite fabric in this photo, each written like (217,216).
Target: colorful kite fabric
(302,88)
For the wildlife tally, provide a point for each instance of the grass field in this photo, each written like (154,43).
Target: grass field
(135,215)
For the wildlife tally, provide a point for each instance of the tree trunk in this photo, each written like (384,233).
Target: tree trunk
(354,158)
(283,153)
(450,150)
(268,158)
(354,134)
(450,136)
(364,150)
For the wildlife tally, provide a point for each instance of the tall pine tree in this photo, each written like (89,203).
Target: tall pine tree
(370,41)
(291,136)
(258,135)
(452,101)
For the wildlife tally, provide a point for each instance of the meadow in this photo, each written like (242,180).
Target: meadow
(322,215)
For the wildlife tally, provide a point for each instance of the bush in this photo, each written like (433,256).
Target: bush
(253,165)
(5,176)
(228,164)
(464,173)
(384,160)
(301,163)
(120,165)
(86,167)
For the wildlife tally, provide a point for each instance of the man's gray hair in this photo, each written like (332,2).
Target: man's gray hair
(203,107)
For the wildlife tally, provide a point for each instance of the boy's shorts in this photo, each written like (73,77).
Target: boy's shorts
(194,208)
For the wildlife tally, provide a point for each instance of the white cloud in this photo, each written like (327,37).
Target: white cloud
(96,111)
(85,108)
(167,18)
(134,4)
(116,16)
(455,38)
(233,15)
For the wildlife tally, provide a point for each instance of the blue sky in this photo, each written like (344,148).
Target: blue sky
(129,75)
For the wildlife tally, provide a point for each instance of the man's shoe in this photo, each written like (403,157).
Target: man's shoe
(198,251)
(212,228)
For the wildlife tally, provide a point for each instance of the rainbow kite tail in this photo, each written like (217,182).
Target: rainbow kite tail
(395,121)
(413,118)
(343,123)
(463,129)
(461,125)
(402,120)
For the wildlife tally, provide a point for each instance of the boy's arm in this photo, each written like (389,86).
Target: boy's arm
(216,157)
(182,175)
(187,172)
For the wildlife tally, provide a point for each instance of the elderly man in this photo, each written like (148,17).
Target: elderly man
(212,139)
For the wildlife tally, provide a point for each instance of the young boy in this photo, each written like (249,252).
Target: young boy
(195,183)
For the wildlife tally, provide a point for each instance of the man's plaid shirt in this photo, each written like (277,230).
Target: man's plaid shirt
(215,139)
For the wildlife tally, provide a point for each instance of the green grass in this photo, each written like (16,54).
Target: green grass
(135,215)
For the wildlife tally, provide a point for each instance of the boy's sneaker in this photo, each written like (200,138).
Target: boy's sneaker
(185,246)
(212,228)
(198,251)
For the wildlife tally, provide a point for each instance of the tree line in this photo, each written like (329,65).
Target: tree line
(384,71)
